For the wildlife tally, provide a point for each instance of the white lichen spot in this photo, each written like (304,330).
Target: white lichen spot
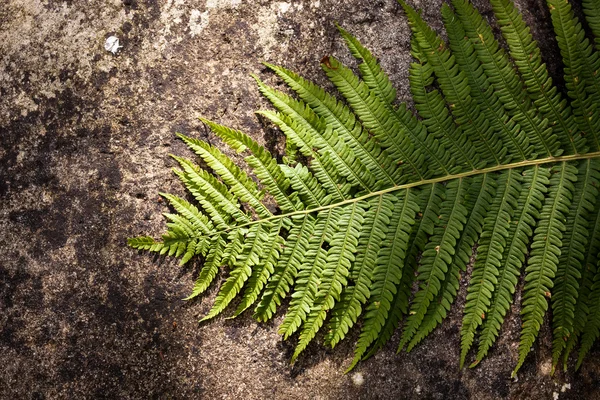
(284,7)
(358,379)
(198,21)
(112,44)
(222,3)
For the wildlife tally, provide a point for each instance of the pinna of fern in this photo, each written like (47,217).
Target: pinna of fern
(495,155)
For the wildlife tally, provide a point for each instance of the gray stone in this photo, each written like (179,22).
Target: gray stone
(84,141)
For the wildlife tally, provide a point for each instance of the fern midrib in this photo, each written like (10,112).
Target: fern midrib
(495,168)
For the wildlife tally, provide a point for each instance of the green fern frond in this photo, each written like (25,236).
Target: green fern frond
(505,80)
(379,84)
(545,252)
(484,278)
(529,204)
(335,271)
(477,201)
(436,117)
(343,121)
(382,196)
(454,84)
(210,268)
(374,231)
(263,165)
(591,330)
(428,199)
(287,268)
(309,274)
(581,66)
(527,57)
(437,255)
(513,138)
(387,272)
(566,286)
(263,269)
(590,261)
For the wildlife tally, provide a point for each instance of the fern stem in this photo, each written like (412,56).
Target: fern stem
(495,168)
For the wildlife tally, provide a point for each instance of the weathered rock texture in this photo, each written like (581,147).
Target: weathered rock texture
(84,143)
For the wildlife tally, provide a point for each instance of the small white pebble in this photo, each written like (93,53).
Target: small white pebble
(112,44)
(555,395)
(358,379)
(418,389)
(565,387)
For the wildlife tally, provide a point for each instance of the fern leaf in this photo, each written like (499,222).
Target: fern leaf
(436,117)
(482,92)
(437,256)
(262,163)
(243,262)
(545,250)
(591,9)
(429,199)
(212,194)
(378,83)
(484,278)
(379,193)
(145,243)
(287,267)
(341,119)
(310,192)
(590,261)
(263,269)
(526,54)
(317,134)
(387,272)
(478,200)
(581,64)
(210,268)
(322,166)
(454,85)
(335,272)
(310,273)
(198,220)
(533,189)
(375,228)
(376,118)
(506,82)
(591,331)
(241,185)
(575,240)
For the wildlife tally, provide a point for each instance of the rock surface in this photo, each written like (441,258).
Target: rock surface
(84,141)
